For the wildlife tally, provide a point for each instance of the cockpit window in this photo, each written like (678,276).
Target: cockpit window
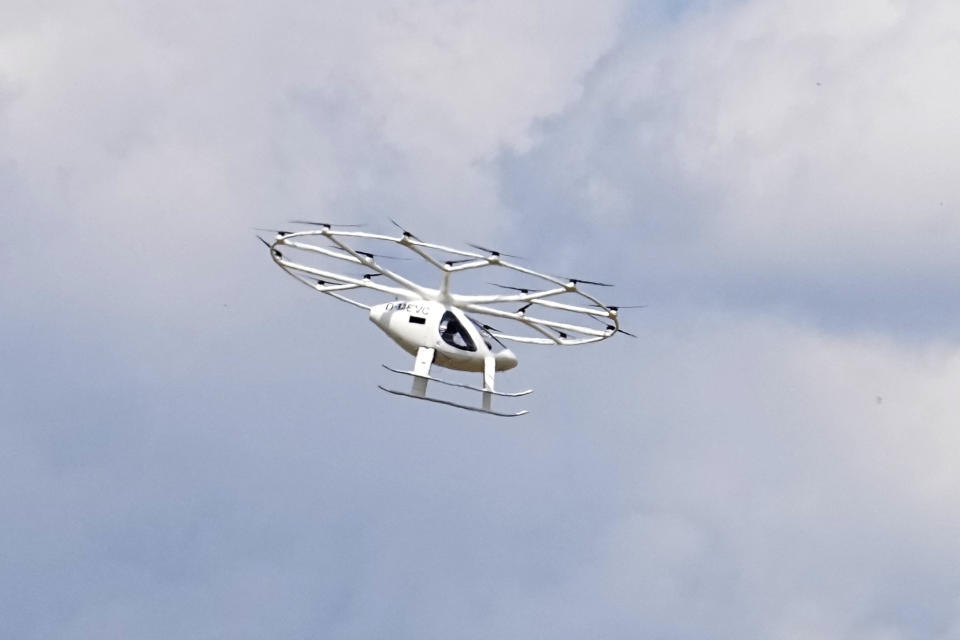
(455,334)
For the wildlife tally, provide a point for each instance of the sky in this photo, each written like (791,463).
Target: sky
(193,445)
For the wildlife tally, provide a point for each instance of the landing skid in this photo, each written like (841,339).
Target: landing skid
(421,376)
(454,404)
(505,394)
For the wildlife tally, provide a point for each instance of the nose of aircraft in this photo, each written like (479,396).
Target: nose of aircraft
(376,315)
(505,360)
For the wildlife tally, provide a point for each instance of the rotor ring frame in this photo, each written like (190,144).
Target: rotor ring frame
(332,284)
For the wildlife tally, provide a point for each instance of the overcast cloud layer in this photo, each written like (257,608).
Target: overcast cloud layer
(193,446)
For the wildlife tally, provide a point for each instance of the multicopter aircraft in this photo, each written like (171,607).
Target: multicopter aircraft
(436,325)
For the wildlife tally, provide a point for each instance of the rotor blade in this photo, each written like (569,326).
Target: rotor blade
(450,263)
(380,255)
(493,251)
(602,321)
(326,224)
(365,276)
(485,328)
(270,246)
(370,254)
(520,289)
(610,326)
(279,232)
(405,232)
(581,281)
(620,306)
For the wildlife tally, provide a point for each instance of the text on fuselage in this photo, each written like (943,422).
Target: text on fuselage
(411,307)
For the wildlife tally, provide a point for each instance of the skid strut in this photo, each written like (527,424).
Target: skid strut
(421,372)
(489,370)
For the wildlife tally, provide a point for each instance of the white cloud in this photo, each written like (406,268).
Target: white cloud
(810,145)
(197,454)
(322,102)
(772,482)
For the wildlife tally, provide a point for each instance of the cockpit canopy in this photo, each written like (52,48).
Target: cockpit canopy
(455,334)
